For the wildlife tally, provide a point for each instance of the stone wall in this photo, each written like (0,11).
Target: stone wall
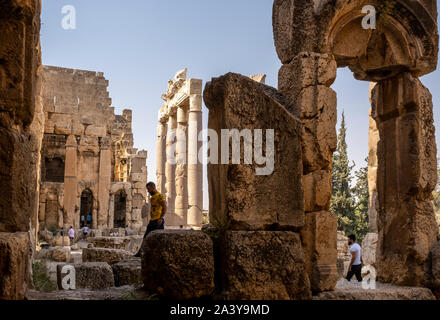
(20,122)
(88,155)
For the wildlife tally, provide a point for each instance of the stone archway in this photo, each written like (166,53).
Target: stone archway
(120,212)
(313,39)
(86,209)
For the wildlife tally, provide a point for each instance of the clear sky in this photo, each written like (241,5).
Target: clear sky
(140,44)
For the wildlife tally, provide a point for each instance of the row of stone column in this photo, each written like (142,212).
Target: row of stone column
(179,172)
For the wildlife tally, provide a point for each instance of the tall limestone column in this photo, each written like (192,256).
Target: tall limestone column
(195,168)
(161,155)
(306,81)
(369,244)
(181,203)
(104,182)
(406,177)
(170,170)
(70,184)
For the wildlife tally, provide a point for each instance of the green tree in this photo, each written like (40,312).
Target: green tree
(342,203)
(362,196)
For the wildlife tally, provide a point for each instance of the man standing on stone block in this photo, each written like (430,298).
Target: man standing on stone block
(158,209)
(355,267)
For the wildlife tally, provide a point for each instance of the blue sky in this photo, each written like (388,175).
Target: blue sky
(140,44)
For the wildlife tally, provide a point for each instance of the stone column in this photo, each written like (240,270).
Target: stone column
(306,81)
(195,167)
(70,184)
(170,171)
(369,244)
(181,203)
(104,181)
(161,155)
(111,212)
(406,177)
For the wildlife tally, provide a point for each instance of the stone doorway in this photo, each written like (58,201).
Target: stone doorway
(86,215)
(120,209)
(313,39)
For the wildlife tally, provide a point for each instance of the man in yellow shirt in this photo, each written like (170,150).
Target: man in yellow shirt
(158,209)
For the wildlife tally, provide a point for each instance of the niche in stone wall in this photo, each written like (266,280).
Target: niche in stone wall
(86,210)
(120,209)
(54,169)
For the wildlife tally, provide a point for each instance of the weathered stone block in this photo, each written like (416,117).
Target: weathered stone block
(60,254)
(237,102)
(178,264)
(131,243)
(317,191)
(127,272)
(14,258)
(307,69)
(319,239)
(60,241)
(319,117)
(369,248)
(403,250)
(105,255)
(89,275)
(263,265)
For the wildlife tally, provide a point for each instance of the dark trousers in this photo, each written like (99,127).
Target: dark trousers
(150,228)
(153,226)
(357,271)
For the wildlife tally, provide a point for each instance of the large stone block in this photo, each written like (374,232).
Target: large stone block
(14,258)
(307,69)
(89,275)
(127,272)
(105,255)
(410,231)
(403,110)
(369,249)
(236,197)
(178,264)
(317,191)
(263,265)
(319,239)
(60,254)
(319,117)
(131,243)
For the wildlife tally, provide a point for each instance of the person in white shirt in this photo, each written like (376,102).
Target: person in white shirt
(355,267)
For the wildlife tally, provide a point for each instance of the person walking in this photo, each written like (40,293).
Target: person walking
(85,231)
(71,234)
(157,211)
(355,267)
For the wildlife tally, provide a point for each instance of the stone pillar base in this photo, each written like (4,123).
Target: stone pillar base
(263,265)
(319,240)
(14,258)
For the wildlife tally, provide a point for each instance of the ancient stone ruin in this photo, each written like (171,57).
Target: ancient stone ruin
(89,166)
(271,236)
(20,103)
(179,172)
